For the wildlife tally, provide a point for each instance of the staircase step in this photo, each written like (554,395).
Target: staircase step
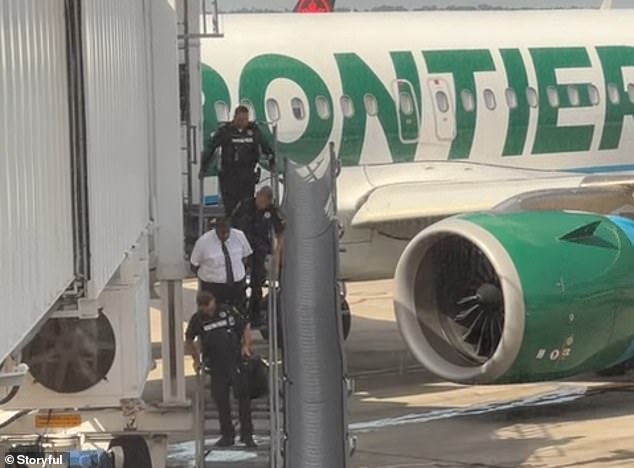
(212,427)
(259,415)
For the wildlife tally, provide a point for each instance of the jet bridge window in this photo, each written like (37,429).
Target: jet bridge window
(347,106)
(222,111)
(531,96)
(511,98)
(489,99)
(298,108)
(371,105)
(593,92)
(553,96)
(442,101)
(573,95)
(630,92)
(468,103)
(323,108)
(613,94)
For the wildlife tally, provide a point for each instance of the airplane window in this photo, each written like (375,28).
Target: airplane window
(406,103)
(468,102)
(593,92)
(272,110)
(248,105)
(553,96)
(442,101)
(511,98)
(489,99)
(323,109)
(613,93)
(573,95)
(222,111)
(531,97)
(371,105)
(298,108)
(347,107)
(630,92)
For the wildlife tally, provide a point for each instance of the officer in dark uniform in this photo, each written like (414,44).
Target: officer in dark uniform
(224,337)
(255,217)
(240,143)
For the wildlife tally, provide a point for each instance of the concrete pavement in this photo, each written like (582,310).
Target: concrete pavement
(406,418)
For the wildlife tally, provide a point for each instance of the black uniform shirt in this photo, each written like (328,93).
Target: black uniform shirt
(256,224)
(240,148)
(220,335)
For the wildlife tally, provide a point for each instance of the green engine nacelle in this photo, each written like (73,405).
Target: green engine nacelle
(518,297)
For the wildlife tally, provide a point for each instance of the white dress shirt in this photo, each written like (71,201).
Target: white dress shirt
(209,257)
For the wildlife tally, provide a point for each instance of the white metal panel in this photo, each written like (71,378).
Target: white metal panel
(166,126)
(36,240)
(117,131)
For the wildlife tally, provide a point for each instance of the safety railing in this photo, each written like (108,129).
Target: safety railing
(199,417)
(276,421)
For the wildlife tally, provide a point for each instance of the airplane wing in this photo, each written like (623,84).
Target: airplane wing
(415,200)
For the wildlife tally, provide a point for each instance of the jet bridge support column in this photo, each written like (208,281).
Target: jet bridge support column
(314,362)
(168,208)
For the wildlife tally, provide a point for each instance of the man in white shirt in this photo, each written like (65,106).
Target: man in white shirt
(218,259)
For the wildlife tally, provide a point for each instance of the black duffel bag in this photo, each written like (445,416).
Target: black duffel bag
(254,377)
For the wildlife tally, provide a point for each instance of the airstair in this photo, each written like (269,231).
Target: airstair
(304,416)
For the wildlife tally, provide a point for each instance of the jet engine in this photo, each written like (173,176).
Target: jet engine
(518,297)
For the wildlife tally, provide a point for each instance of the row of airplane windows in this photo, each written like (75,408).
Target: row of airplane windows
(407,105)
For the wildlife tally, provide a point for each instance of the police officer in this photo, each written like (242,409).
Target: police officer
(240,142)
(255,217)
(224,337)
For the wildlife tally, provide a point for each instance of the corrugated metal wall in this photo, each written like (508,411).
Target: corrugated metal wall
(36,240)
(117,130)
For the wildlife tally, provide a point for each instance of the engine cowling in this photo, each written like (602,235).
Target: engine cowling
(518,297)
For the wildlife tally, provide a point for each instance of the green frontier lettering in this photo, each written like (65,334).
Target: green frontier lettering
(462,64)
(214,89)
(550,138)
(613,59)
(358,80)
(256,77)
(519,116)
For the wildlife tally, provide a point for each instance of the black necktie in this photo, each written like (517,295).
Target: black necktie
(228,266)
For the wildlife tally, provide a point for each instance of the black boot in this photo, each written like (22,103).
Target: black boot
(248,441)
(225,441)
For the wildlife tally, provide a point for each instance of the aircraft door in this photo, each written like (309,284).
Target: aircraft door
(444,109)
(408,118)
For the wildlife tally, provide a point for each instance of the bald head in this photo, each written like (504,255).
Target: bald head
(264,198)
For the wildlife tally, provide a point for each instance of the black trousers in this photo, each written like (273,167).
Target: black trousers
(220,392)
(236,184)
(227,294)
(258,277)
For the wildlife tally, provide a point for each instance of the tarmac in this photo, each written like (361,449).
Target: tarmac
(404,417)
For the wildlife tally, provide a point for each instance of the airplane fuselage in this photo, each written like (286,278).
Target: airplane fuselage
(429,97)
